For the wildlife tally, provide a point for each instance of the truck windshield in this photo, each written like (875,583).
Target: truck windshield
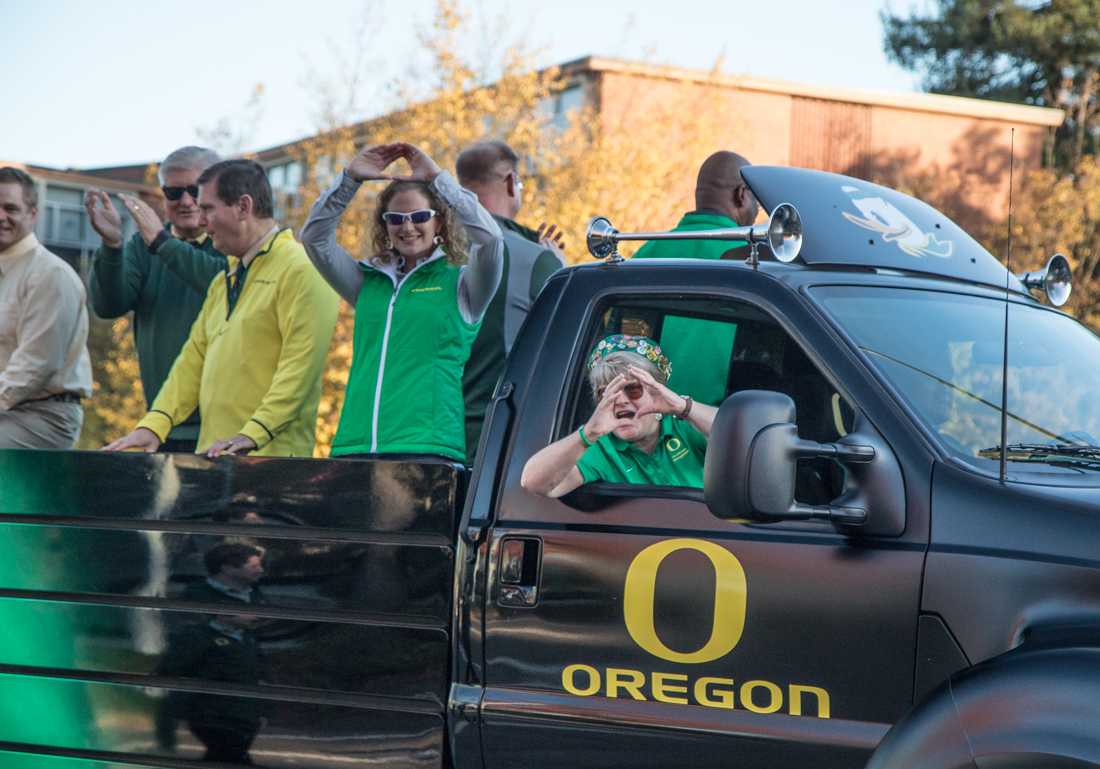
(943,352)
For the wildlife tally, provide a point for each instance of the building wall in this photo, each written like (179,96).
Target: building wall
(957,162)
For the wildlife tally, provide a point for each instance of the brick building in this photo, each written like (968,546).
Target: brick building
(951,151)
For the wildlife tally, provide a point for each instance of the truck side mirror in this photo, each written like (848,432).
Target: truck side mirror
(752,460)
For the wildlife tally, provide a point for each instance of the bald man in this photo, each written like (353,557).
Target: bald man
(700,350)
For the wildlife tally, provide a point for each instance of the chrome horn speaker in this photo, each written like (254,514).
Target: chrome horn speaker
(782,232)
(1056,280)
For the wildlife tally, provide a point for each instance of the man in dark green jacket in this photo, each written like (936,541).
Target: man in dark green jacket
(161,274)
(701,349)
(490,170)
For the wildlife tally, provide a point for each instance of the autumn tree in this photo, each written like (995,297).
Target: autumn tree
(635,164)
(636,167)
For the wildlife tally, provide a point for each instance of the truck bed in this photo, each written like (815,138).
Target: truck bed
(96,551)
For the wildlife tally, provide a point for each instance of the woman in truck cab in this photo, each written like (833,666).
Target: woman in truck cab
(419,297)
(640,431)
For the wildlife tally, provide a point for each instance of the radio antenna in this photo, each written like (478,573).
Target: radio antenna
(1008,276)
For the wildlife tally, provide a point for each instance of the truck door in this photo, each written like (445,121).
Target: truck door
(628,626)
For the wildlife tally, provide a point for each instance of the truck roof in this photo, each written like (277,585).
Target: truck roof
(854,223)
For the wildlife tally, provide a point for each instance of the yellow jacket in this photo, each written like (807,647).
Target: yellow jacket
(258,371)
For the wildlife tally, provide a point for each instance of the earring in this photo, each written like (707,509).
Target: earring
(438,240)
(389,243)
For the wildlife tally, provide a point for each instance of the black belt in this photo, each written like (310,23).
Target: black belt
(57,398)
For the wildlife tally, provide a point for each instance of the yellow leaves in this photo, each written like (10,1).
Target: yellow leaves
(118,400)
(1061,213)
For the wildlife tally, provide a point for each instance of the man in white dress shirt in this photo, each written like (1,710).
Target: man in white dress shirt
(44,365)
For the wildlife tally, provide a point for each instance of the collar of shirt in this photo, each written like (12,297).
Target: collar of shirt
(232,592)
(263,245)
(390,268)
(710,214)
(193,241)
(17,251)
(626,447)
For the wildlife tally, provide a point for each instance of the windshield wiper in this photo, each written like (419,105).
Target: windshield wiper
(1053,454)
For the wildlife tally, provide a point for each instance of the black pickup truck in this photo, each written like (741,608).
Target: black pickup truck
(857,584)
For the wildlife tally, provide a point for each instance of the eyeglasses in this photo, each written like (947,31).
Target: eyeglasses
(175,193)
(397,218)
(632,390)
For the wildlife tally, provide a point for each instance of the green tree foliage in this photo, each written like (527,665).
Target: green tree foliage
(1041,53)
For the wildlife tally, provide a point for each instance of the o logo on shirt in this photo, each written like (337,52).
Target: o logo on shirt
(730,595)
(674,444)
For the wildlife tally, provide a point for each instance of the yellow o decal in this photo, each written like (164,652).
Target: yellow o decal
(730,593)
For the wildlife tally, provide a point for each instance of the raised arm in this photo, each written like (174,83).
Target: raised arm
(553,471)
(193,265)
(117,276)
(318,235)
(481,275)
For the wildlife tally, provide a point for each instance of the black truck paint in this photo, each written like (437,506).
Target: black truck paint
(418,616)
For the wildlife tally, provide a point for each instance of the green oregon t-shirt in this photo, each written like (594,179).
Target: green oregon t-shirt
(677,460)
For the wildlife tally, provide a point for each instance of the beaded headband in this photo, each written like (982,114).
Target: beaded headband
(639,345)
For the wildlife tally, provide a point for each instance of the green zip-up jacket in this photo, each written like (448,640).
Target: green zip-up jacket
(413,332)
(699,350)
(165,291)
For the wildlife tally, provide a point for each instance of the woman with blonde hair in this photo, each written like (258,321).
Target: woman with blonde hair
(640,432)
(419,298)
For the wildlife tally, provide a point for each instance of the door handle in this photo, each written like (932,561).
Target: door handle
(519,571)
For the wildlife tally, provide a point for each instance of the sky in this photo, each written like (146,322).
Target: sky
(115,82)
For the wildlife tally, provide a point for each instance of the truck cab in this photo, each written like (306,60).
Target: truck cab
(857,583)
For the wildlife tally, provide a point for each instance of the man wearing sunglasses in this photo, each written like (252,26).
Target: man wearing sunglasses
(160,274)
(490,170)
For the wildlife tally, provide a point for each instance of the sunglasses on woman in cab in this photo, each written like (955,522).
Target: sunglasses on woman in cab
(632,390)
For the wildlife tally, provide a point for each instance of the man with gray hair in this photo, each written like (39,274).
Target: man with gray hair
(161,274)
(490,169)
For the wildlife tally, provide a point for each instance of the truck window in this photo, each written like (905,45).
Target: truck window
(943,352)
(719,347)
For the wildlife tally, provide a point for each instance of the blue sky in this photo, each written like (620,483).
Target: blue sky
(112,82)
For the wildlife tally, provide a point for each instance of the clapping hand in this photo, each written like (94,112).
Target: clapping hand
(146,219)
(371,163)
(104,217)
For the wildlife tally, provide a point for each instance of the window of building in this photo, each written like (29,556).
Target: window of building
(286,182)
(559,108)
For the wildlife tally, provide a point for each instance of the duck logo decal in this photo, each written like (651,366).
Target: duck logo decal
(895,227)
